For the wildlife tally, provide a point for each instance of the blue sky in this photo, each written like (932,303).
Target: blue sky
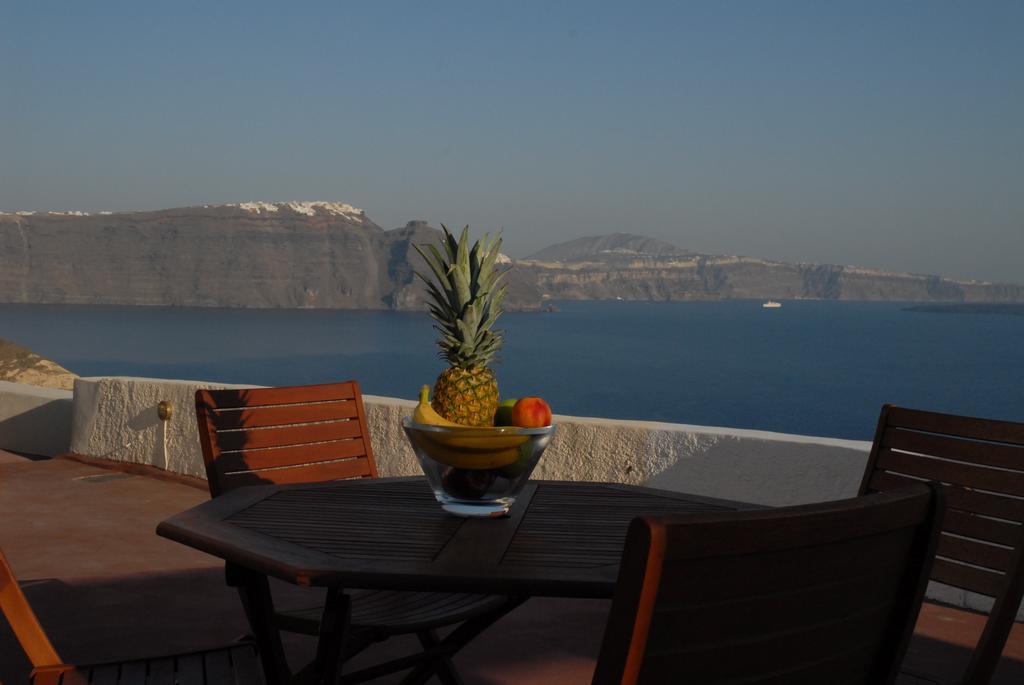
(883,134)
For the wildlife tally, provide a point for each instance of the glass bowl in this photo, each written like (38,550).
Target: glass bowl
(477,471)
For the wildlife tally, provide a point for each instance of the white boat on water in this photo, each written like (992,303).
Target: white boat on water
(771,304)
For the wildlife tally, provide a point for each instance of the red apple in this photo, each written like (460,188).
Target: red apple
(531,412)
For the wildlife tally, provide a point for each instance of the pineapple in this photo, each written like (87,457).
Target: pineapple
(465,297)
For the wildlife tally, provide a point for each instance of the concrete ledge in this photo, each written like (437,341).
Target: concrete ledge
(115,418)
(34,420)
(773,469)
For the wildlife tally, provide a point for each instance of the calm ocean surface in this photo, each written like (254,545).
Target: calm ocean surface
(814,368)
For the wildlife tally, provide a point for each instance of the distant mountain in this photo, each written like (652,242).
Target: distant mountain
(330,255)
(632,267)
(613,247)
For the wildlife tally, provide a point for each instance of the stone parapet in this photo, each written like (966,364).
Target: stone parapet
(116,418)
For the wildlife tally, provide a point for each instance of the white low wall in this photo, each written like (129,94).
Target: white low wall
(116,418)
(34,420)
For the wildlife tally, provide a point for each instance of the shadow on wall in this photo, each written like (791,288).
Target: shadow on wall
(42,430)
(738,469)
(145,420)
(138,425)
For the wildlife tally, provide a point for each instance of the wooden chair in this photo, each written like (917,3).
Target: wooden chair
(236,664)
(316,433)
(981,464)
(802,595)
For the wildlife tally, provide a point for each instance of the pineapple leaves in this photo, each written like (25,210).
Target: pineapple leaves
(465,295)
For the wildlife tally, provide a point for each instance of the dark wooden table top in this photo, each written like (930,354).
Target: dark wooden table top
(563,538)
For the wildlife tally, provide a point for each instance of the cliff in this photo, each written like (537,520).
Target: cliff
(290,254)
(332,256)
(231,256)
(635,268)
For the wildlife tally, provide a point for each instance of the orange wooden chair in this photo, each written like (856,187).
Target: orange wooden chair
(820,593)
(236,664)
(315,433)
(981,465)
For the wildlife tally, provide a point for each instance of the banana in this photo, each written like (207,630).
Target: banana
(425,414)
(471,459)
(467,448)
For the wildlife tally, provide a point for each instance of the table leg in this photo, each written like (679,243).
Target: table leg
(440,664)
(333,635)
(443,667)
(259,609)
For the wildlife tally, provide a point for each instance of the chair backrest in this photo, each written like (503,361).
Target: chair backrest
(297,434)
(981,464)
(811,594)
(22,619)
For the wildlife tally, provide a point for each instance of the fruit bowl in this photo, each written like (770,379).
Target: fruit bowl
(477,471)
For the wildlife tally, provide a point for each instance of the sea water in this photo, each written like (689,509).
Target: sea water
(810,367)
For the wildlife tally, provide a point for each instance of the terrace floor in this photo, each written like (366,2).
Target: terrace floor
(82,541)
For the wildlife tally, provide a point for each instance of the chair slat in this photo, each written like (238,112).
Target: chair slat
(985,503)
(308,473)
(258,397)
(978,580)
(291,456)
(950,424)
(977,553)
(957,497)
(288,435)
(971,525)
(258,417)
(967,475)
(954,447)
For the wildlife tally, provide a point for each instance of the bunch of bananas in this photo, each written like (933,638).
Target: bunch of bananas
(463,447)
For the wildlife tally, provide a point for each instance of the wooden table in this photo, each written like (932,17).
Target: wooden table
(562,539)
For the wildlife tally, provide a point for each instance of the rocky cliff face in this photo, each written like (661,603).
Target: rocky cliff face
(256,255)
(330,255)
(634,268)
